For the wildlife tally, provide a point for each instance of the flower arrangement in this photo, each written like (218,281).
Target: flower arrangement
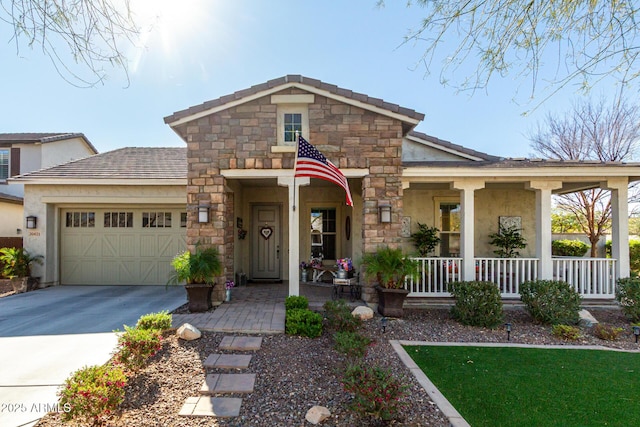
(316,263)
(345,264)
(304,265)
(229,284)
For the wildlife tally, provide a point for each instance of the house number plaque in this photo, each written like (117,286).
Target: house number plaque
(266,232)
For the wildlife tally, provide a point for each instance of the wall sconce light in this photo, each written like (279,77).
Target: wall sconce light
(636,332)
(385,213)
(507,326)
(32,222)
(203,214)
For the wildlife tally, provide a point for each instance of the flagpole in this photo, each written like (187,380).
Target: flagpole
(295,163)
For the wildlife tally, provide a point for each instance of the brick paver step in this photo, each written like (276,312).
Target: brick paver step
(205,406)
(240,343)
(228,383)
(227,361)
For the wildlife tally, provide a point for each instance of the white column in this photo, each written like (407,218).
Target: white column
(543,191)
(467,225)
(620,225)
(294,228)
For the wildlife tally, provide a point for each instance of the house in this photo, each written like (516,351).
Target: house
(234,188)
(26,152)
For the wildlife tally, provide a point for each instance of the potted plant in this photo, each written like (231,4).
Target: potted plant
(426,239)
(390,267)
(198,270)
(17,268)
(508,240)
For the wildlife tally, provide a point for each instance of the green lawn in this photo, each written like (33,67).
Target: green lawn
(507,386)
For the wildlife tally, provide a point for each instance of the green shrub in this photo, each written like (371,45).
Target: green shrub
(351,344)
(569,248)
(135,346)
(160,321)
(606,332)
(628,295)
(634,255)
(92,393)
(300,321)
(566,332)
(551,301)
(339,317)
(477,304)
(376,392)
(294,301)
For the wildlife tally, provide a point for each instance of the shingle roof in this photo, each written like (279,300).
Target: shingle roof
(10,198)
(42,138)
(123,163)
(453,146)
(333,89)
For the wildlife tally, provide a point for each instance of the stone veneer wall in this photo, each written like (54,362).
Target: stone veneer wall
(241,138)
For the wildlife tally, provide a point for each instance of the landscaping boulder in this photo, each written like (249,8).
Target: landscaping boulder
(317,414)
(363,312)
(188,332)
(587,319)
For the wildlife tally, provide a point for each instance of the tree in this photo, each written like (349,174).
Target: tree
(584,40)
(590,131)
(87,32)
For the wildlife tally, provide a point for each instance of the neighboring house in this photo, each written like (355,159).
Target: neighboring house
(21,153)
(237,177)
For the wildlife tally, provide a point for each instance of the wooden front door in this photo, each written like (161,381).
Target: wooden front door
(265,242)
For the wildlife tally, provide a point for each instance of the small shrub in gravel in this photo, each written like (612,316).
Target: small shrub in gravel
(303,322)
(477,304)
(135,346)
(376,392)
(606,332)
(566,332)
(351,344)
(628,295)
(296,301)
(92,394)
(339,317)
(160,321)
(551,302)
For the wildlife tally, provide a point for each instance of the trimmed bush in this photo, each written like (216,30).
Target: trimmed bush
(135,346)
(477,304)
(628,295)
(92,394)
(569,248)
(294,301)
(606,332)
(376,392)
(351,344)
(303,322)
(159,321)
(566,332)
(634,255)
(551,301)
(339,317)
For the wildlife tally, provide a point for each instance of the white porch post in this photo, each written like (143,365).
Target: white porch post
(543,191)
(620,224)
(294,228)
(467,225)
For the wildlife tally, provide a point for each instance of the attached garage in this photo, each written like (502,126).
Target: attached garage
(124,246)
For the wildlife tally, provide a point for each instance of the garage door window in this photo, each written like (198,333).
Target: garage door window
(81,219)
(156,219)
(118,219)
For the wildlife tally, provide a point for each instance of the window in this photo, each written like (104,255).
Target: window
(323,233)
(449,229)
(4,164)
(156,219)
(81,219)
(292,115)
(292,124)
(118,219)
(183,220)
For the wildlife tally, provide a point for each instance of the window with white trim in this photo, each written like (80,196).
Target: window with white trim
(156,219)
(4,164)
(80,219)
(118,219)
(323,233)
(292,116)
(449,224)
(292,127)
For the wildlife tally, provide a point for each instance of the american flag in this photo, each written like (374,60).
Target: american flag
(313,164)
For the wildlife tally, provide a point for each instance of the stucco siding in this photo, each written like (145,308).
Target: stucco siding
(59,152)
(12,220)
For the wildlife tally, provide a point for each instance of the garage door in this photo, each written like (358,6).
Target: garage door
(120,246)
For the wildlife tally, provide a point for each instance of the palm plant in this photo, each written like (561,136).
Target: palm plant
(17,262)
(199,267)
(390,267)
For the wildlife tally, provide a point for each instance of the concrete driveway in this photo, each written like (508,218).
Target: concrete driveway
(48,334)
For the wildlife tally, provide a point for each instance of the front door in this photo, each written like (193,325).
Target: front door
(265,241)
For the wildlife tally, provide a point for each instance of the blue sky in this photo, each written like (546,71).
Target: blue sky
(203,49)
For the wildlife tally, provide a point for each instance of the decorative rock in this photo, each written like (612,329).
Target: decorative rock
(317,414)
(587,319)
(188,332)
(363,312)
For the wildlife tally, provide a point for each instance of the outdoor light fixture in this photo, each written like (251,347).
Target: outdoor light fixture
(32,222)
(203,214)
(385,213)
(507,326)
(636,332)
(384,322)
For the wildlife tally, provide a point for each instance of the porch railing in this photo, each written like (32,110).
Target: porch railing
(591,277)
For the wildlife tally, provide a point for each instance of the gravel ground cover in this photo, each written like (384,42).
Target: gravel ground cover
(293,373)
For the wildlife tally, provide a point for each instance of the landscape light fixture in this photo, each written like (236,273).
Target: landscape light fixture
(385,213)
(636,332)
(507,326)
(32,222)
(203,214)
(384,321)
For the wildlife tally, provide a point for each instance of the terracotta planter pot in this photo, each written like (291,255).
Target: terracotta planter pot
(390,301)
(199,296)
